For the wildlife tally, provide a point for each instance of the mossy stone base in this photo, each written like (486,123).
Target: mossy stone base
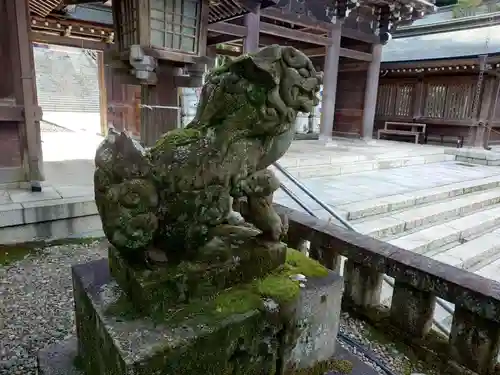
(267,326)
(158,289)
(111,345)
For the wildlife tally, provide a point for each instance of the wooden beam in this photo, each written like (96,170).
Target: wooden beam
(438,63)
(279,15)
(315,52)
(494,73)
(228,29)
(227,52)
(284,32)
(219,39)
(355,55)
(344,52)
(41,37)
(359,35)
(354,67)
(12,113)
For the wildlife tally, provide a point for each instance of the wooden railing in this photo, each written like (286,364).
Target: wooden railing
(474,341)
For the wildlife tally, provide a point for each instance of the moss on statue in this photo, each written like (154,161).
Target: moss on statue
(177,137)
(277,286)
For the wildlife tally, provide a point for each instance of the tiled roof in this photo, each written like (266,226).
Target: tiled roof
(452,44)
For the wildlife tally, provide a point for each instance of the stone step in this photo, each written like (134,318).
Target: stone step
(377,206)
(322,167)
(389,225)
(457,230)
(49,219)
(473,256)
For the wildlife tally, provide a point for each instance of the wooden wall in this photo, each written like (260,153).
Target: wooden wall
(350,102)
(122,102)
(444,103)
(10,145)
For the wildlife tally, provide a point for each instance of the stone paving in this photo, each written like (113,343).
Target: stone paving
(337,191)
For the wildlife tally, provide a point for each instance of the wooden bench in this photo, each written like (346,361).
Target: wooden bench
(412,129)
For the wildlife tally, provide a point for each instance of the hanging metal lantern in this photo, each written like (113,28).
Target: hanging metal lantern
(173,29)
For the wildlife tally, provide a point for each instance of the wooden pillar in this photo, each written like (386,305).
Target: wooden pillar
(18,83)
(212,54)
(115,99)
(486,103)
(371,92)
(160,110)
(252,23)
(103,96)
(331,70)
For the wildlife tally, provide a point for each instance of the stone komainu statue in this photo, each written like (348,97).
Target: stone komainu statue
(184,193)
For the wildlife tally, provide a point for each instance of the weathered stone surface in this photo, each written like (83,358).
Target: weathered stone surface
(474,341)
(176,196)
(246,326)
(363,285)
(111,344)
(412,310)
(159,288)
(317,311)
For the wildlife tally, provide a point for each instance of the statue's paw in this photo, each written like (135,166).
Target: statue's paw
(135,232)
(284,225)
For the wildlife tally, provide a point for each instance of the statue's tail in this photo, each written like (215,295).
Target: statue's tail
(125,195)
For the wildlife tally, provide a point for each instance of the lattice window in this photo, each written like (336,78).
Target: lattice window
(175,24)
(404,100)
(449,101)
(128,33)
(395,100)
(386,99)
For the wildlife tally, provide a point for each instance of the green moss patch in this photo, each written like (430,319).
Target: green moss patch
(297,262)
(236,300)
(177,137)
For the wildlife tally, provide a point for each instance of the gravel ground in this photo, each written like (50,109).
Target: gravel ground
(386,353)
(36,303)
(36,309)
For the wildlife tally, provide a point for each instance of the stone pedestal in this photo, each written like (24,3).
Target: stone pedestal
(270,325)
